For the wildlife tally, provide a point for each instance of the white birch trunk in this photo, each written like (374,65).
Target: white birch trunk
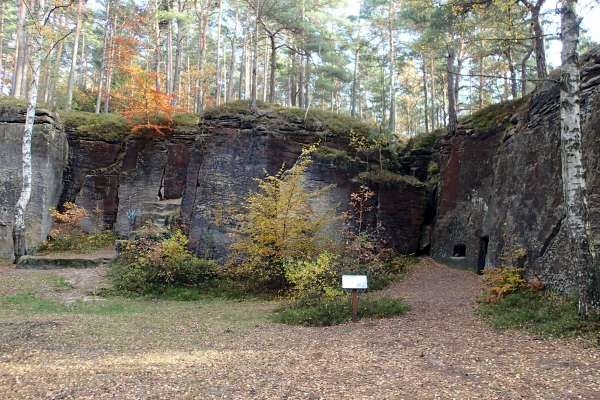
(573,171)
(19,228)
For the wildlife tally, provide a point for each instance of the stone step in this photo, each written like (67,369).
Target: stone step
(59,261)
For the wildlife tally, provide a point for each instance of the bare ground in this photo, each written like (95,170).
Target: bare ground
(225,349)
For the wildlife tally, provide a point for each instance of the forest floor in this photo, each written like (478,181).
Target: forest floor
(59,342)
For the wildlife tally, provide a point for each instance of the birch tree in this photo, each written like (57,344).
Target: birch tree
(573,171)
(41,42)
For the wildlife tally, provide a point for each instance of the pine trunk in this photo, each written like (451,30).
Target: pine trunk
(452,119)
(71,81)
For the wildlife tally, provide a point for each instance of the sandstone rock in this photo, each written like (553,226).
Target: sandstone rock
(500,193)
(49,158)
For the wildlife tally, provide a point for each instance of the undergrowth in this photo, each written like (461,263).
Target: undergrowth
(337,311)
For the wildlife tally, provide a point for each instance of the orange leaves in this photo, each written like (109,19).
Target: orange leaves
(147,109)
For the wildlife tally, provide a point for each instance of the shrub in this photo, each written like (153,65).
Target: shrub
(503,281)
(279,224)
(66,233)
(540,312)
(337,311)
(315,278)
(146,265)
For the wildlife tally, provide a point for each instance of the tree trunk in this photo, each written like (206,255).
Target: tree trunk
(83,71)
(157,57)
(104,61)
(1,46)
(300,87)
(481,83)
(169,66)
(265,74)
(253,106)
(425,95)
(242,69)
(538,41)
(451,92)
(71,81)
(392,61)
(432,97)
(19,227)
(573,172)
(273,68)
(524,72)
(21,48)
(179,39)
(355,82)
(307,73)
(218,62)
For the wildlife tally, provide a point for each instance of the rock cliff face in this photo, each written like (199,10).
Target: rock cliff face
(49,158)
(500,197)
(237,149)
(209,170)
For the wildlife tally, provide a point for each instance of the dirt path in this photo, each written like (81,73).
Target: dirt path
(203,350)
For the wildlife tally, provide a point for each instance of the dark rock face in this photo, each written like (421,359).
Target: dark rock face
(226,161)
(129,182)
(49,157)
(500,193)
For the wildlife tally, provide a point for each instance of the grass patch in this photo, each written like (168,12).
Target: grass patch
(540,312)
(59,282)
(79,242)
(340,158)
(104,126)
(424,140)
(340,125)
(495,114)
(337,311)
(27,302)
(388,179)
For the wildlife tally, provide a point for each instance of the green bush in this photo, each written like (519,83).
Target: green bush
(337,311)
(316,278)
(146,266)
(540,312)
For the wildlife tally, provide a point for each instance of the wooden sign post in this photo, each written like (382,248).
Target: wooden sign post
(354,283)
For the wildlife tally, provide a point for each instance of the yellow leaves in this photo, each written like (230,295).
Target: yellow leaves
(503,281)
(280,222)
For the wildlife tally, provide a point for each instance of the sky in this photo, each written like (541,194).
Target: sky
(588,9)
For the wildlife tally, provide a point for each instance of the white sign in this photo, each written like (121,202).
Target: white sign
(354,281)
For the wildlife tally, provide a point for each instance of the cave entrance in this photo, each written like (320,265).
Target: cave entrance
(483,249)
(460,251)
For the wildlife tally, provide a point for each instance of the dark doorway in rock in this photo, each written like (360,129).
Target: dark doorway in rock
(483,249)
(460,251)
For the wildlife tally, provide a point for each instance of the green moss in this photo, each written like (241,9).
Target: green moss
(79,242)
(338,157)
(105,126)
(339,124)
(234,107)
(186,119)
(424,140)
(9,101)
(495,114)
(388,179)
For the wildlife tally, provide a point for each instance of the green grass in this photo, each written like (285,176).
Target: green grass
(539,312)
(338,157)
(28,302)
(494,115)
(59,282)
(388,179)
(337,311)
(105,126)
